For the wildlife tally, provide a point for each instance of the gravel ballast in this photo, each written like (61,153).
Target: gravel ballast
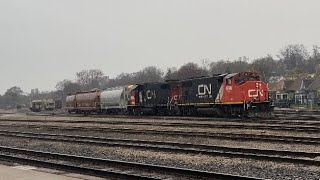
(241,166)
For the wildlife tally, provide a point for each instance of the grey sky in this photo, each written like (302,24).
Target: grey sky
(44,41)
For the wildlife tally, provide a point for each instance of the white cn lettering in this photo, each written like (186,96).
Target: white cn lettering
(204,89)
(151,94)
(254,93)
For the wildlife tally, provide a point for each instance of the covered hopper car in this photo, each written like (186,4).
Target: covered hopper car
(84,102)
(115,100)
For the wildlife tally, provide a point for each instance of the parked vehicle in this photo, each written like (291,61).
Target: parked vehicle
(282,103)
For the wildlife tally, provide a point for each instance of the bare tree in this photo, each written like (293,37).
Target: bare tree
(188,70)
(149,74)
(293,56)
(68,87)
(265,66)
(89,79)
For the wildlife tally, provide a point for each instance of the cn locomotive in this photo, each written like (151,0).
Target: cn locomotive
(230,94)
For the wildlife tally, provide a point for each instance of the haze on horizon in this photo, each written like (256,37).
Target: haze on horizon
(43,42)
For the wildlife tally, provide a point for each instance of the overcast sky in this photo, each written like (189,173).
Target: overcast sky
(45,41)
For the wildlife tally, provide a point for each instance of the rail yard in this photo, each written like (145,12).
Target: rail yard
(165,147)
(170,90)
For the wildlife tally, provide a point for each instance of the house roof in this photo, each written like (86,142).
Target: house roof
(315,85)
(280,85)
(287,84)
(295,85)
(307,83)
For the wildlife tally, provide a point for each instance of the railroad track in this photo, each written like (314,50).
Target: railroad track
(259,154)
(106,168)
(278,114)
(226,136)
(165,119)
(297,127)
(281,116)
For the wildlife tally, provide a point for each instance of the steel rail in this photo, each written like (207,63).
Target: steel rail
(260,154)
(196,174)
(174,118)
(285,114)
(190,125)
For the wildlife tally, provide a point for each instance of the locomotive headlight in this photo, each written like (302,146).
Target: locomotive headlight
(257,85)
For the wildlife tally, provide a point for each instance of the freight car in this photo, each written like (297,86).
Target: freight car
(115,100)
(48,104)
(58,104)
(39,105)
(35,105)
(71,103)
(84,102)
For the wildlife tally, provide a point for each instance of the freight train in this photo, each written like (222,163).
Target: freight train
(230,94)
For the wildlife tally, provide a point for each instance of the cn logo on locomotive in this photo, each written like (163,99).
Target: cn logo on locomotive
(204,91)
(254,93)
(151,94)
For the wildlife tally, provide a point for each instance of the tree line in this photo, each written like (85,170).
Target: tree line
(292,61)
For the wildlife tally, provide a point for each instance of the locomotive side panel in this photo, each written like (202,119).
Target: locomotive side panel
(155,94)
(200,91)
